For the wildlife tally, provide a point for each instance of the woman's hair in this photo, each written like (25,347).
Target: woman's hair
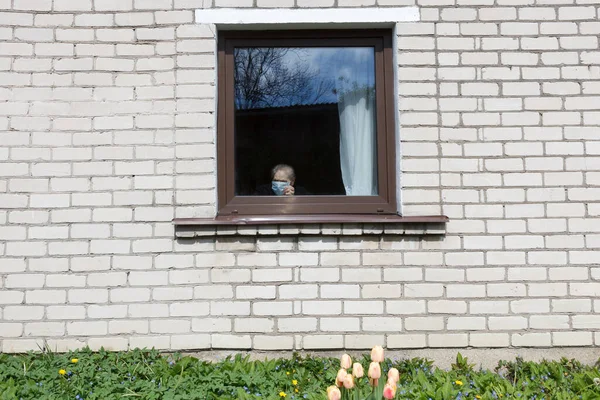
(284,167)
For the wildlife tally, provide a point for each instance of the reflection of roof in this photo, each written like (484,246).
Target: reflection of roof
(293,107)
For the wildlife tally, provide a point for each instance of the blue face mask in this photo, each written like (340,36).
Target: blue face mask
(278,187)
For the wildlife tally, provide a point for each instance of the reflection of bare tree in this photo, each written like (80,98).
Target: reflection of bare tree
(263,78)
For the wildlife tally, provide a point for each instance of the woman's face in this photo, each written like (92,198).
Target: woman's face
(283,176)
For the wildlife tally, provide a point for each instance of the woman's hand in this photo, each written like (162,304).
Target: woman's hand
(288,191)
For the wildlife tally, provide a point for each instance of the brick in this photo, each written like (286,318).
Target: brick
(107,311)
(547,289)
(45,297)
(221,308)
(571,338)
(87,296)
(549,322)
(531,340)
(465,291)
(340,291)
(321,307)
(45,329)
(466,323)
(8,330)
(488,307)
(113,5)
(315,342)
(423,323)
(489,339)
(211,325)
(23,313)
(187,309)
(127,295)
(505,289)
(174,17)
(148,310)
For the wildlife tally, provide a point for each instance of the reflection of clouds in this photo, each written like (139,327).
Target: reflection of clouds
(352,64)
(302,75)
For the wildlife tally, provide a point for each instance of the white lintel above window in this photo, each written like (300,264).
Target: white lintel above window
(232,17)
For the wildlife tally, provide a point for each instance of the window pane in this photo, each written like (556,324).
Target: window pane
(309,108)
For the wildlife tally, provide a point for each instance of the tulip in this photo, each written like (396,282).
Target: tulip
(357,370)
(346,361)
(377,354)
(389,391)
(393,375)
(374,370)
(349,381)
(374,373)
(341,375)
(333,393)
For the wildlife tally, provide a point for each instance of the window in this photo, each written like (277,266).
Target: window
(306,123)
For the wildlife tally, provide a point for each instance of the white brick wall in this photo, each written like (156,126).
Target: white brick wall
(107,134)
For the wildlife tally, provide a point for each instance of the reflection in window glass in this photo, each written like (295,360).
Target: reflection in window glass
(305,121)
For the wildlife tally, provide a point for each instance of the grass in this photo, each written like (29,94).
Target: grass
(148,375)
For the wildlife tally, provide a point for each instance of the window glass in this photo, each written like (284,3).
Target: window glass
(305,121)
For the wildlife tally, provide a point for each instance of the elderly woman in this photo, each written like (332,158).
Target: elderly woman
(283,179)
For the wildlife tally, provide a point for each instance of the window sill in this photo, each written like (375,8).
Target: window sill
(270,225)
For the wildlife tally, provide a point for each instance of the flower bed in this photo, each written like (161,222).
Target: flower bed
(149,375)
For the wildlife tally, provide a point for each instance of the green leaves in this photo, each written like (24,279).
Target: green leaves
(148,375)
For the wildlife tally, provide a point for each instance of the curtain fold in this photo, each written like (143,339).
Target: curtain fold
(355,88)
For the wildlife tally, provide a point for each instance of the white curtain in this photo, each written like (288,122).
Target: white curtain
(356,106)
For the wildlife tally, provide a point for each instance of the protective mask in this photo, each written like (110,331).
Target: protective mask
(278,187)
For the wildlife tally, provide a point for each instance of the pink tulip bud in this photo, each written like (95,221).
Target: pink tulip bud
(346,361)
(341,375)
(374,370)
(333,393)
(377,354)
(357,370)
(393,375)
(349,382)
(389,391)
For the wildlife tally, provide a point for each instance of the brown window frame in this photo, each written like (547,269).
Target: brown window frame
(383,203)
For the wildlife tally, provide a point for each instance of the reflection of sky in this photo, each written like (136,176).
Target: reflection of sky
(346,66)
(352,64)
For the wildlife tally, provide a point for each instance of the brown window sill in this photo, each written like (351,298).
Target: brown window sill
(328,224)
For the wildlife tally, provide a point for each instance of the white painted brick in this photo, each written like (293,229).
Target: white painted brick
(23,313)
(127,295)
(148,310)
(465,291)
(489,339)
(11,297)
(531,339)
(174,17)
(298,259)
(190,341)
(106,312)
(340,291)
(571,338)
(488,307)
(45,329)
(466,323)
(211,325)
(316,342)
(424,323)
(547,289)
(320,307)
(220,308)
(571,305)
(549,322)
(8,330)
(45,297)
(88,296)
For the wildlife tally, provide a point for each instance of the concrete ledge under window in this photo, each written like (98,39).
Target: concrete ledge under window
(263,225)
